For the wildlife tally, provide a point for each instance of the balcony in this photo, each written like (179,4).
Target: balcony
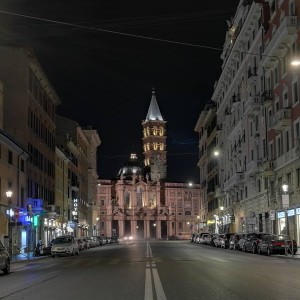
(267,168)
(219,193)
(253,168)
(252,106)
(267,97)
(235,99)
(233,181)
(252,75)
(282,119)
(285,34)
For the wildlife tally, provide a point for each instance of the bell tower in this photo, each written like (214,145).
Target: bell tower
(154,141)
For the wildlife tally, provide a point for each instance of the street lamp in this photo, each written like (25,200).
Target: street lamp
(198,217)
(154,227)
(285,205)
(9,195)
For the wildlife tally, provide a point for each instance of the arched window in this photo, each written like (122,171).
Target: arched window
(161,131)
(139,196)
(155,146)
(161,146)
(127,199)
(154,130)
(187,213)
(145,132)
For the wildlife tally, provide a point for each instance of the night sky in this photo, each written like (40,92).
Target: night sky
(104,80)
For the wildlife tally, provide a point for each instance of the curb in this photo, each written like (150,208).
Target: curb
(16,261)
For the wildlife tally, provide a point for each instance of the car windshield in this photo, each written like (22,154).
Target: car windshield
(62,240)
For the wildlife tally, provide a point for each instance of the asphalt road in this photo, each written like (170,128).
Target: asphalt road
(154,270)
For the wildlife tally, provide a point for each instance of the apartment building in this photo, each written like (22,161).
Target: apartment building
(257,99)
(29,104)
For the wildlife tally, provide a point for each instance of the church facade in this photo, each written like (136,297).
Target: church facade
(141,203)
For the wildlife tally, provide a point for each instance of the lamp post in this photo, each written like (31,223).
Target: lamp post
(154,228)
(198,217)
(285,205)
(9,195)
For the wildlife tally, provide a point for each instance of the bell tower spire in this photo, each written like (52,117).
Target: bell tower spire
(154,141)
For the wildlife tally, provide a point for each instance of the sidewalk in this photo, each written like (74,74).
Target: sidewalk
(26,257)
(289,256)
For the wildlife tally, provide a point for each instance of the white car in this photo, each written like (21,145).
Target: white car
(64,245)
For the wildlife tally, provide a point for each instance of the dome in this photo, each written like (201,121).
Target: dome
(131,167)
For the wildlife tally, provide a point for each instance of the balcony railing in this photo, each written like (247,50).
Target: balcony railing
(252,106)
(267,168)
(267,97)
(282,119)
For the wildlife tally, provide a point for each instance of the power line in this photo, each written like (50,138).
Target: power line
(110,31)
(131,35)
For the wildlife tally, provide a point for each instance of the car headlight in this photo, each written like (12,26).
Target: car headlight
(125,238)
(130,238)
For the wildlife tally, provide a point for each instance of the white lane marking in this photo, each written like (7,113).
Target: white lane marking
(160,294)
(151,272)
(148,284)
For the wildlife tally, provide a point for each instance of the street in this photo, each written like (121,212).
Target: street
(154,270)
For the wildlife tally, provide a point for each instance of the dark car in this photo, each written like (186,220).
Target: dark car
(276,244)
(4,259)
(252,241)
(233,241)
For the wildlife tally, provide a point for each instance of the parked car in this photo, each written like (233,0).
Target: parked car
(64,245)
(243,238)
(275,244)
(86,243)
(224,242)
(4,259)
(233,241)
(252,241)
(114,240)
(217,239)
(80,244)
(203,238)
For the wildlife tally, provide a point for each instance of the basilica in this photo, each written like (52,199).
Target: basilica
(141,203)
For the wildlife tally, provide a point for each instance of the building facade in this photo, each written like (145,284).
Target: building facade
(29,104)
(140,202)
(257,99)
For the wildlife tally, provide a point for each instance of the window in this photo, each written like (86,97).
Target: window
(298,177)
(278,147)
(22,165)
(287,141)
(295,92)
(10,157)
(259,185)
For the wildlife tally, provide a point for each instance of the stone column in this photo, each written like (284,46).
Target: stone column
(170,231)
(158,229)
(133,229)
(108,228)
(121,229)
(146,229)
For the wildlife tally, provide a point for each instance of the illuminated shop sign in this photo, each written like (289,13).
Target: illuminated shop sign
(75,209)
(298,211)
(280,214)
(291,212)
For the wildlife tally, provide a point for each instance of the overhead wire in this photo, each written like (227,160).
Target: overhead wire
(130,34)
